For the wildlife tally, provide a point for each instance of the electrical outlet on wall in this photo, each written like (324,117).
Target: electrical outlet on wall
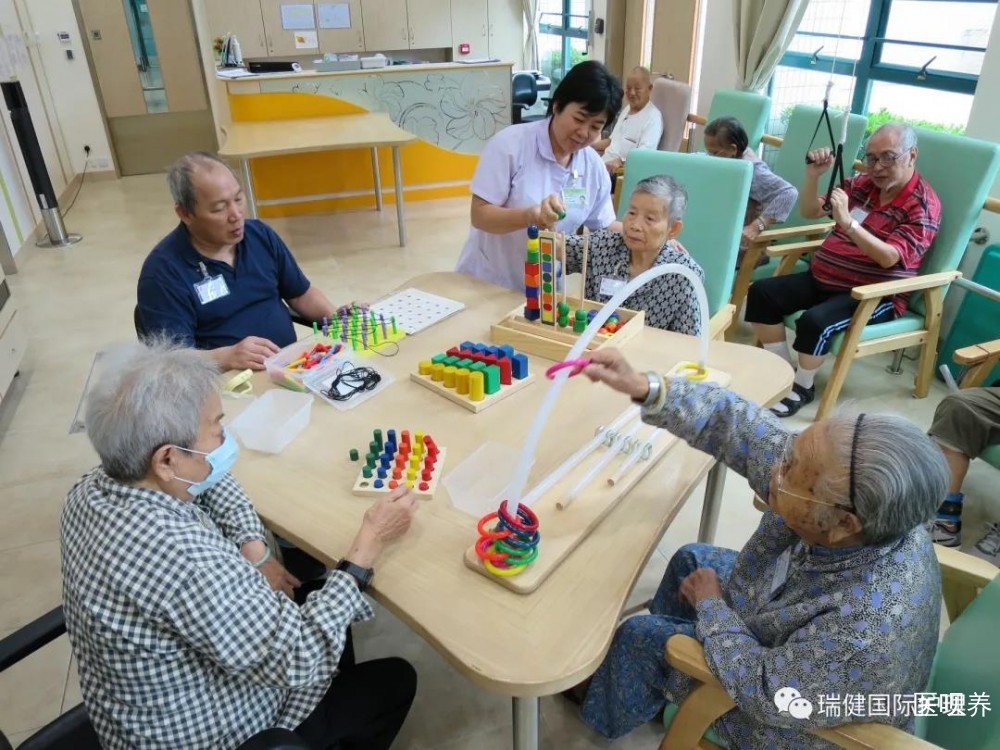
(99,162)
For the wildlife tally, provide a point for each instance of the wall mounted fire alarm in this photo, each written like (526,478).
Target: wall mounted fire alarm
(464,48)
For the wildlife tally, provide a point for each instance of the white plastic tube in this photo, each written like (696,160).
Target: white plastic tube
(613,450)
(589,447)
(535,433)
(636,455)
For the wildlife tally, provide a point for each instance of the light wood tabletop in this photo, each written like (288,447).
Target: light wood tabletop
(520,645)
(273,137)
(246,140)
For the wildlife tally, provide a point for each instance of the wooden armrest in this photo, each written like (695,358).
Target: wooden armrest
(794,248)
(781,233)
(963,568)
(697,119)
(686,654)
(872,736)
(620,172)
(772,140)
(972,355)
(721,321)
(992,204)
(900,286)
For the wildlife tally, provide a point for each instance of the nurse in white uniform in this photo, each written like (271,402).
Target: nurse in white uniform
(535,172)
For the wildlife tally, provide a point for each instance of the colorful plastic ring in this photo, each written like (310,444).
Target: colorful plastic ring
(693,371)
(518,557)
(492,534)
(483,551)
(525,519)
(503,572)
(578,366)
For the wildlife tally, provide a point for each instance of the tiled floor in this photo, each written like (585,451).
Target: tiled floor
(79,300)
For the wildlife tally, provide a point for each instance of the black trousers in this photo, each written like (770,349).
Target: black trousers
(827,312)
(364,707)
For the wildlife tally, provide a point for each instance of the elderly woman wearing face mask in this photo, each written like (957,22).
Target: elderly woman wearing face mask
(654,218)
(176,610)
(837,592)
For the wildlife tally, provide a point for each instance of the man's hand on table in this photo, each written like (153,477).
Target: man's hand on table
(387,519)
(609,366)
(702,584)
(277,577)
(250,354)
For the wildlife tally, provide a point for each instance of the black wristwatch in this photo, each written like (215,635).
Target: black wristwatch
(363,576)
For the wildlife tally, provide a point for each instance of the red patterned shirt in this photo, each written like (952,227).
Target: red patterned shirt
(909,223)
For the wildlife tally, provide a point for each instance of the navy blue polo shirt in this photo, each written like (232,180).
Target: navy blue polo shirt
(263,274)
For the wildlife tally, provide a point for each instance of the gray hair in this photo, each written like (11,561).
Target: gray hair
(906,136)
(669,191)
(151,394)
(644,73)
(900,474)
(181,171)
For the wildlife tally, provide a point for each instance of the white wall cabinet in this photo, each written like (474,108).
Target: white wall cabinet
(430,23)
(386,25)
(470,22)
(281,41)
(506,27)
(240,18)
(342,40)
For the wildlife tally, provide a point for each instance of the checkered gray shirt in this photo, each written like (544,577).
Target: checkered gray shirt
(181,643)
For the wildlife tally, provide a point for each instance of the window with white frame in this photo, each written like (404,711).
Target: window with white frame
(562,36)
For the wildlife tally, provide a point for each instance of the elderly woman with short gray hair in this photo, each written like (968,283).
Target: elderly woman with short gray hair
(655,217)
(176,611)
(837,593)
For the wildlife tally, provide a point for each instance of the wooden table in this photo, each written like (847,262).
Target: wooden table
(523,646)
(248,140)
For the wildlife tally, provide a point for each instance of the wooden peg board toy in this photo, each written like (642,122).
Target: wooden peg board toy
(563,530)
(549,323)
(361,330)
(475,376)
(395,461)
(415,310)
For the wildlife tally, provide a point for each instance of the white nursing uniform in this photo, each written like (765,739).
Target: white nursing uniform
(517,169)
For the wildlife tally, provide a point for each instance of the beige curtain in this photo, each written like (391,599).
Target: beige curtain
(764,29)
(531,38)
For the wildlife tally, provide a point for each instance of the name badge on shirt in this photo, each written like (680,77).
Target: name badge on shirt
(574,196)
(610,287)
(211,288)
(781,571)
(859,214)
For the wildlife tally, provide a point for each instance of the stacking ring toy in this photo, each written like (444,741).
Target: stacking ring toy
(511,545)
(693,370)
(578,366)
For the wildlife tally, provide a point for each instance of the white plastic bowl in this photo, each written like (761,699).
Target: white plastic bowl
(273,420)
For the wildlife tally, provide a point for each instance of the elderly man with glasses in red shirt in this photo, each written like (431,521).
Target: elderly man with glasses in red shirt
(885,222)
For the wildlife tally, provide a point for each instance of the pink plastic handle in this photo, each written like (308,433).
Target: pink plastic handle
(577,364)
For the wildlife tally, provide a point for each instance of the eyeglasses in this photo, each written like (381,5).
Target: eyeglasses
(886,159)
(786,461)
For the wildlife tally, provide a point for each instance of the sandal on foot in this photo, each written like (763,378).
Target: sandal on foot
(792,405)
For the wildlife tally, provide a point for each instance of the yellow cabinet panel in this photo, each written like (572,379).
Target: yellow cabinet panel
(342,40)
(386,26)
(241,18)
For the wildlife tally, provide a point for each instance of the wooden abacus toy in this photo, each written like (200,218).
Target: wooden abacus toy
(475,375)
(392,463)
(549,324)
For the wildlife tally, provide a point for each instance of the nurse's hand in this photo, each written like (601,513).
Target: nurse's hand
(548,212)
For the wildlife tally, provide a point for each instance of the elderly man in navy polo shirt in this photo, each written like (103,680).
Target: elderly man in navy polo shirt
(218,281)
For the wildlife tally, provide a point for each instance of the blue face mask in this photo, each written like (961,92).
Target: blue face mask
(221,460)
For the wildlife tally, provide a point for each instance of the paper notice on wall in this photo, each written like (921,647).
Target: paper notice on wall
(13,56)
(297,16)
(334,15)
(306,40)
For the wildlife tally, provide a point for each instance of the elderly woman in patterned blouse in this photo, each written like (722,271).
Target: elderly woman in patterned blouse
(837,592)
(655,217)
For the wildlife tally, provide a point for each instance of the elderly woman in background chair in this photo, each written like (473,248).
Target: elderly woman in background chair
(837,591)
(772,198)
(654,218)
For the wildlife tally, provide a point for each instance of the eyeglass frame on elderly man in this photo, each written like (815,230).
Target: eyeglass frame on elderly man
(885,159)
(780,479)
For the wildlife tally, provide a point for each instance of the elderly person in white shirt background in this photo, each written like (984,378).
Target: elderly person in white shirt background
(175,610)
(638,126)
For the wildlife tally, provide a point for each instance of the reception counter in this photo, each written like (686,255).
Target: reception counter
(452,109)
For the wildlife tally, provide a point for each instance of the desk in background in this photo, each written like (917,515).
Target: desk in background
(524,646)
(249,140)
